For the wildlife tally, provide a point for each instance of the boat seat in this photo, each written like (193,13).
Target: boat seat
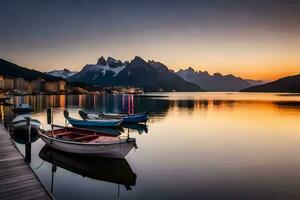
(84,137)
(62,134)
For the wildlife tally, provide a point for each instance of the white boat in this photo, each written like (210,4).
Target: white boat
(87,142)
(20,122)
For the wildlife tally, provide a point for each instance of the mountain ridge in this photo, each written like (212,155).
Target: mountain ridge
(137,72)
(13,70)
(285,84)
(216,81)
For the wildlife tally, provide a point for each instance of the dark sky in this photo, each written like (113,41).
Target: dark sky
(258,38)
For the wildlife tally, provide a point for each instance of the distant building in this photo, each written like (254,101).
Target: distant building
(55,86)
(61,85)
(77,90)
(1,82)
(6,83)
(51,86)
(123,90)
(38,85)
(22,84)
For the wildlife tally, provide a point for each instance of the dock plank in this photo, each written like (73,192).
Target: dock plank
(17,180)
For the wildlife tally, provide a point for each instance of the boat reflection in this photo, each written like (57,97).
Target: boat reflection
(140,128)
(110,170)
(25,138)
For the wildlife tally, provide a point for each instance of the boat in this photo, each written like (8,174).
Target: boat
(127,118)
(22,108)
(87,142)
(111,170)
(20,123)
(92,122)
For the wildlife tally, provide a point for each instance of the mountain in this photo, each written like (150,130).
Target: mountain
(15,71)
(255,82)
(286,84)
(215,82)
(65,73)
(101,74)
(152,76)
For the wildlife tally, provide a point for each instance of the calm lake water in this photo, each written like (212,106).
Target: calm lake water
(195,146)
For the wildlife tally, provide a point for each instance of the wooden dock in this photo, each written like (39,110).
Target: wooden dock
(17,180)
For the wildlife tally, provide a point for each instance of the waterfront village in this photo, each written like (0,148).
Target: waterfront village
(20,86)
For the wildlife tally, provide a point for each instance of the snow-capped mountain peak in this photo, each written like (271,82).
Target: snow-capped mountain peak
(65,73)
(102,68)
(109,67)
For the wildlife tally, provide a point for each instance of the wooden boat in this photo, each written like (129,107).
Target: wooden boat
(110,170)
(92,122)
(20,122)
(87,142)
(22,108)
(127,118)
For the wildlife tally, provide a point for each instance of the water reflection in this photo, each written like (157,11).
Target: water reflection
(131,103)
(116,171)
(199,146)
(287,104)
(140,128)
(22,137)
(25,138)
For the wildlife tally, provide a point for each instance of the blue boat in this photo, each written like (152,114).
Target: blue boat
(127,118)
(92,122)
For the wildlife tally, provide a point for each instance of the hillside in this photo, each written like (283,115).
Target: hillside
(217,81)
(13,70)
(286,84)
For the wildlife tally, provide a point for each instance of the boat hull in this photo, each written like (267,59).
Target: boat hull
(94,123)
(22,125)
(132,118)
(115,150)
(136,118)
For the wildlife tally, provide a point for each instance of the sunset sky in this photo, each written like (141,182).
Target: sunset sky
(258,39)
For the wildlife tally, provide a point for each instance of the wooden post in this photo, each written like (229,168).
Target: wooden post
(128,134)
(52,177)
(28,144)
(50,118)
(118,190)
